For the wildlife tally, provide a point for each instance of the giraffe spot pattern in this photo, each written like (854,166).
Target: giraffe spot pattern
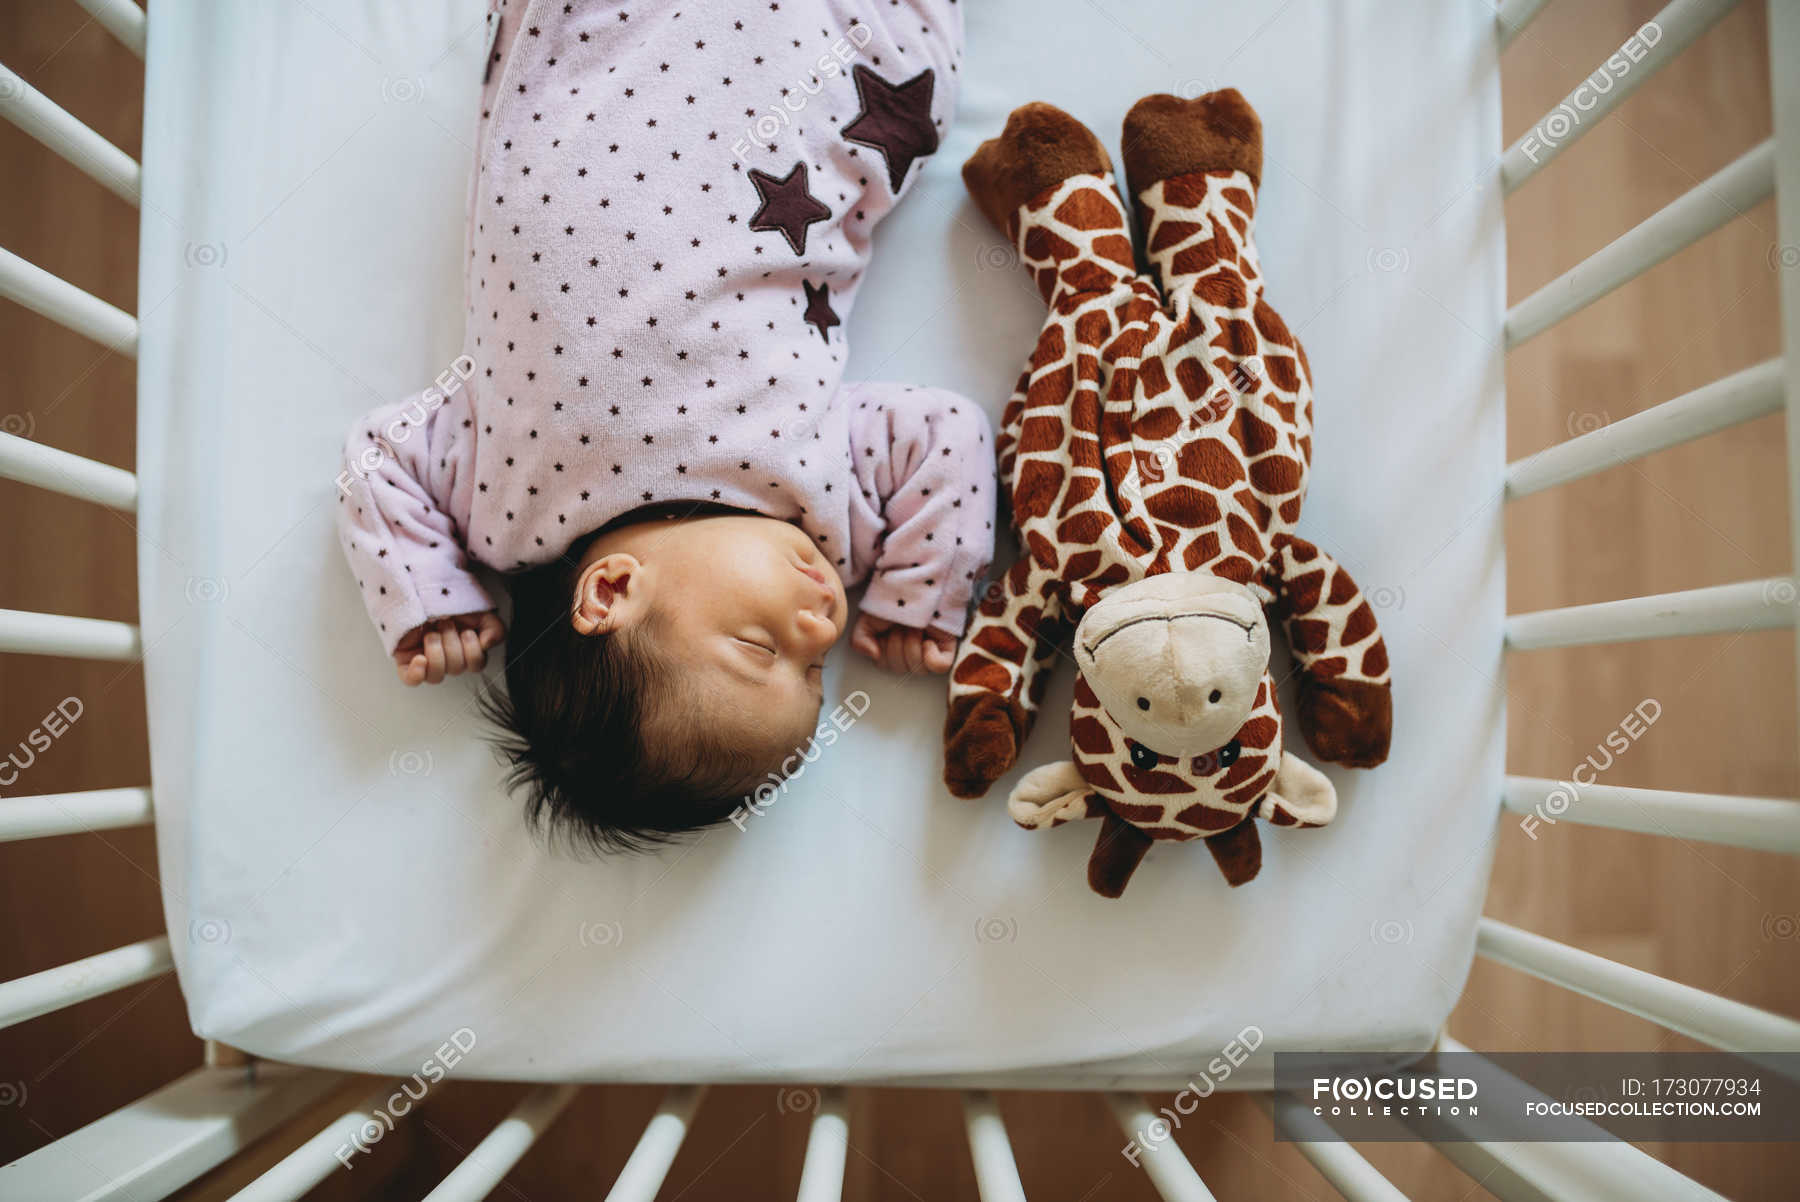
(1156,430)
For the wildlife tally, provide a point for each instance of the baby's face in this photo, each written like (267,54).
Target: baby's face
(745,609)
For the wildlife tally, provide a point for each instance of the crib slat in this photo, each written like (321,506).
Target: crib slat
(1341,1165)
(1514,16)
(157,1144)
(1743,396)
(482,1169)
(81,147)
(1784,52)
(1748,605)
(1711,1019)
(25,633)
(1602,1170)
(67,305)
(643,1173)
(121,18)
(996,1172)
(49,814)
(294,1174)
(1547,1172)
(1162,1159)
(827,1148)
(27,997)
(1586,106)
(1737,188)
(1759,823)
(71,475)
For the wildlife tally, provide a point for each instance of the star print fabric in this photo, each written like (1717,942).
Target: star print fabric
(669,221)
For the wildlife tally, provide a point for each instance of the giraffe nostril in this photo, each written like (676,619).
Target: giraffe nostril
(1214,696)
(1143,703)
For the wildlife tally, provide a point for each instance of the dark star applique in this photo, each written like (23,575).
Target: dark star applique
(787,206)
(894,120)
(818,309)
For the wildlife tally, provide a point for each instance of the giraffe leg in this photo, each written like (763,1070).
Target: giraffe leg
(1116,855)
(1166,136)
(1047,183)
(1040,147)
(999,678)
(1346,707)
(1237,852)
(1193,167)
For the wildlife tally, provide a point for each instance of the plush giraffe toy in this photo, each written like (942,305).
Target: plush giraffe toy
(1156,451)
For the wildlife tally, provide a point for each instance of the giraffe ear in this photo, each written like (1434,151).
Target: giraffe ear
(1052,795)
(1300,796)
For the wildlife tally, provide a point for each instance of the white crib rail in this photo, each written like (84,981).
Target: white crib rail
(650,1161)
(42,992)
(827,1149)
(1707,1017)
(66,305)
(1597,1171)
(1760,823)
(167,1139)
(1163,1161)
(482,1169)
(1718,609)
(74,813)
(1679,24)
(1784,52)
(1340,1164)
(121,18)
(996,1172)
(43,119)
(1736,189)
(1740,397)
(316,1159)
(71,475)
(25,633)
(1513,16)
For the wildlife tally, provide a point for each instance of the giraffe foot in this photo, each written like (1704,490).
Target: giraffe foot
(1040,147)
(1116,855)
(982,737)
(1166,136)
(1347,722)
(1237,852)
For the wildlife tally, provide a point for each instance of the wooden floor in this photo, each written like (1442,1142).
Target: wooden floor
(1709,513)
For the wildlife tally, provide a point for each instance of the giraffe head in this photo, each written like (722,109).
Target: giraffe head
(1175,660)
(1176,732)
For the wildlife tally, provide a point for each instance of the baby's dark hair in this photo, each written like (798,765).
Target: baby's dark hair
(577,719)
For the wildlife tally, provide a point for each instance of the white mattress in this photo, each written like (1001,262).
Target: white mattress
(347,886)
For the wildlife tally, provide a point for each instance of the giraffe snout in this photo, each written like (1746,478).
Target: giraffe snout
(1176,660)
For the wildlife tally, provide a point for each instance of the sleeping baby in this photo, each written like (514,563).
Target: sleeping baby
(648,432)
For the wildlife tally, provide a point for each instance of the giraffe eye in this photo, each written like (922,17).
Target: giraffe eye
(1142,757)
(1228,754)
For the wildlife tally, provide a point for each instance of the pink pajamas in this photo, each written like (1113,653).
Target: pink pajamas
(670,220)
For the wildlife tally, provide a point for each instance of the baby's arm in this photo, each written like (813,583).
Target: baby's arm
(398,496)
(924,460)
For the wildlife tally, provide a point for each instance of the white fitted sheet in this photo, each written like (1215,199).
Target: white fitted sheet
(346,886)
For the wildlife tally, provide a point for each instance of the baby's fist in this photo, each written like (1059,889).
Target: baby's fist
(447,647)
(903,648)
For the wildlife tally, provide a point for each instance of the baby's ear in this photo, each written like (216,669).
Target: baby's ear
(1300,796)
(1052,795)
(604,597)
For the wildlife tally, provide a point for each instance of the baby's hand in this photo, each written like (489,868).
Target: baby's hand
(903,648)
(447,647)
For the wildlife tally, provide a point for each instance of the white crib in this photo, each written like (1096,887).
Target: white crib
(154,1146)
